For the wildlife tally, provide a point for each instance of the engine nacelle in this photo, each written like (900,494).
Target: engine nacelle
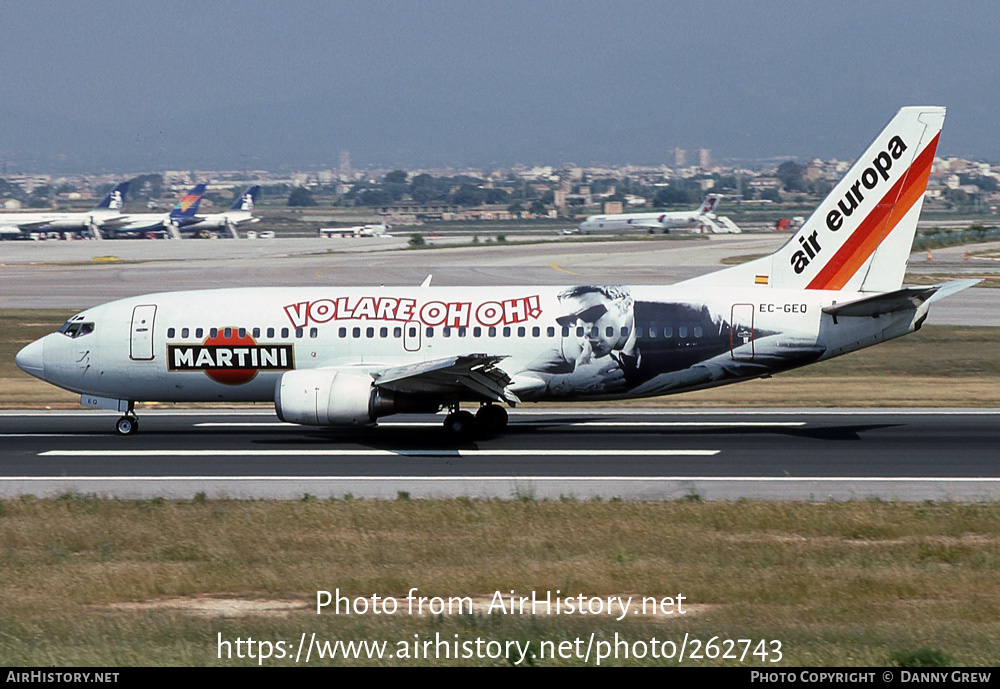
(324,398)
(318,397)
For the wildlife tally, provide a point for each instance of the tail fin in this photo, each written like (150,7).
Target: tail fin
(115,198)
(246,200)
(709,204)
(188,206)
(859,238)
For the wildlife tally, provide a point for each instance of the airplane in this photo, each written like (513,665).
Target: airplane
(347,356)
(239,213)
(703,216)
(105,215)
(183,214)
(376,230)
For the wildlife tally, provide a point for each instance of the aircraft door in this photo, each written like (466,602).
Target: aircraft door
(411,336)
(741,332)
(141,346)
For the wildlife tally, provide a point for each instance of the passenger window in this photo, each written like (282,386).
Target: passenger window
(461,332)
(298,332)
(506,331)
(536,331)
(199,333)
(652,331)
(550,331)
(492,332)
(342,332)
(314,332)
(284,332)
(520,331)
(579,331)
(430,332)
(170,333)
(356,332)
(446,332)
(383,332)
(682,331)
(227,333)
(242,332)
(214,332)
(270,332)
(698,331)
(565,331)
(185,332)
(369,333)
(256,333)
(477,332)
(398,332)
(609,331)
(624,331)
(668,331)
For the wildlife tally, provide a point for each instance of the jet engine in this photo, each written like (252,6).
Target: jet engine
(331,397)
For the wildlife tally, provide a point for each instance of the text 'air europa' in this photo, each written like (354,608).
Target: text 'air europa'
(451,314)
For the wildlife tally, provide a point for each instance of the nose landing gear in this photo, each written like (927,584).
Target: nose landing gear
(127,425)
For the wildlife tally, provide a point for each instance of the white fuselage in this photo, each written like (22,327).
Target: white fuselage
(633,221)
(235,344)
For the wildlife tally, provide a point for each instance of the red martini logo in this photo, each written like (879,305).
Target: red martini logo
(230,358)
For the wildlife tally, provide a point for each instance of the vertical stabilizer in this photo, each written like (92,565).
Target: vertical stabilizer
(859,237)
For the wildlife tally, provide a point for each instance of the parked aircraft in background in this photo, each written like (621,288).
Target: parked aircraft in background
(343,356)
(106,215)
(240,213)
(377,230)
(704,217)
(183,214)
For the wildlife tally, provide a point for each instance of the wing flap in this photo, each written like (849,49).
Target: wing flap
(477,373)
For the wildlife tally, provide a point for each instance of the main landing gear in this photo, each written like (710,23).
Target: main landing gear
(490,419)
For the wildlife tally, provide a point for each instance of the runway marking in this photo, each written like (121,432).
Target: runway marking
(612,424)
(631,479)
(378,453)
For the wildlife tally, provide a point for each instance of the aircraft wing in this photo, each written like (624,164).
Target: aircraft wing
(477,373)
(900,300)
(35,225)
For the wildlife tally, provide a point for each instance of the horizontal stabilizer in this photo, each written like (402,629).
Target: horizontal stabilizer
(900,300)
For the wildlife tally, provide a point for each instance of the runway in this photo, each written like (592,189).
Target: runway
(578,453)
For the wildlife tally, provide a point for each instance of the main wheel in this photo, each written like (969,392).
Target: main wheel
(127,425)
(460,424)
(491,418)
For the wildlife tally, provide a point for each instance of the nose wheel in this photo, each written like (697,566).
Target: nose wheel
(127,425)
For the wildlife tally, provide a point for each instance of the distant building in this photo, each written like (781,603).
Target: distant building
(612,207)
(704,158)
(680,157)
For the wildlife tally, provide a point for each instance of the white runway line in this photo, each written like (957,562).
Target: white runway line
(611,424)
(639,479)
(379,453)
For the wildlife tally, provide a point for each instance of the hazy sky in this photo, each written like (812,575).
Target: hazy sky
(135,86)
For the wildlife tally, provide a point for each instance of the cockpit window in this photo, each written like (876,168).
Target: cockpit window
(76,328)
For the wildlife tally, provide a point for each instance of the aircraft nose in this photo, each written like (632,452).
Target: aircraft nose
(31,360)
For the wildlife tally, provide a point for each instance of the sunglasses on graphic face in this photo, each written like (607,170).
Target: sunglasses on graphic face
(588,315)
